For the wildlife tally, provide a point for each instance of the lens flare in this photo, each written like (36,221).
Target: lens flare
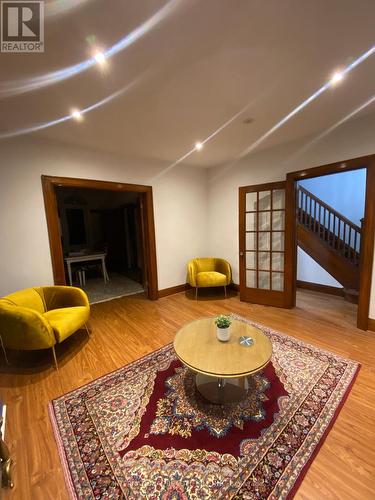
(211,136)
(57,7)
(100,58)
(23,86)
(75,114)
(336,78)
(347,117)
(307,101)
(279,124)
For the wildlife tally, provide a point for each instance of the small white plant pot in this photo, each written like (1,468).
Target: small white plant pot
(223,334)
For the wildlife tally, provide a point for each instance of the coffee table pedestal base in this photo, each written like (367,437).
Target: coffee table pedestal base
(222,390)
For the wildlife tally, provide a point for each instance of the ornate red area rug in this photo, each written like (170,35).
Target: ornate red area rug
(144,432)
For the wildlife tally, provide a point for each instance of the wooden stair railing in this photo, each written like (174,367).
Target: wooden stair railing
(329,225)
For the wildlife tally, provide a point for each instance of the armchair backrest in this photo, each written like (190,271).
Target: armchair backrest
(205,264)
(32,298)
(24,328)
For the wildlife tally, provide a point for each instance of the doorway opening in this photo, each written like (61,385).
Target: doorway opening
(330,215)
(268,215)
(106,226)
(343,240)
(102,236)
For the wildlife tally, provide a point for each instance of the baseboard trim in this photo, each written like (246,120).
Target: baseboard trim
(317,287)
(371,324)
(173,289)
(182,288)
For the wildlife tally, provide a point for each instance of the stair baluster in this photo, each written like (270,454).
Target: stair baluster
(332,227)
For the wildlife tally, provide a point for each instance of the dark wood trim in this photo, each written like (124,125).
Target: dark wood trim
(367,249)
(290,246)
(317,287)
(242,239)
(263,187)
(332,168)
(164,292)
(50,205)
(275,298)
(291,236)
(93,184)
(149,238)
(367,244)
(371,324)
(49,185)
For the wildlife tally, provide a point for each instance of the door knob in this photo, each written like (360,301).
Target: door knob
(241,254)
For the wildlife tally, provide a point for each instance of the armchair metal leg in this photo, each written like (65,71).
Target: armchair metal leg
(4,351)
(196,293)
(225,291)
(87,330)
(54,358)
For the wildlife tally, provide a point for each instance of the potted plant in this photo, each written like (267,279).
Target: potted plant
(223,327)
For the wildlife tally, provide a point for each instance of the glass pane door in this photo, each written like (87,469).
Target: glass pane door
(262,243)
(265,224)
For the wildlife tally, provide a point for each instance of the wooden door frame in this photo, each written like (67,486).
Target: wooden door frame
(49,185)
(367,239)
(266,297)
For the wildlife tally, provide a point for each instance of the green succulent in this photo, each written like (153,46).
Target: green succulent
(223,321)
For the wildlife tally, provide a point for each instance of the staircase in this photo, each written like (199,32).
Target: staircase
(331,239)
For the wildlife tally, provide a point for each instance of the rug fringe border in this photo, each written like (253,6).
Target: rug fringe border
(66,471)
(296,339)
(317,448)
(111,372)
(304,470)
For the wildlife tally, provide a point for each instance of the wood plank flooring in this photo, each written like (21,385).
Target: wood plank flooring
(126,329)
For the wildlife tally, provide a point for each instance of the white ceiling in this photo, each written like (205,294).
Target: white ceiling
(196,69)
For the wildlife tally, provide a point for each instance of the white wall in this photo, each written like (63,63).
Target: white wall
(353,139)
(191,217)
(180,206)
(310,271)
(345,192)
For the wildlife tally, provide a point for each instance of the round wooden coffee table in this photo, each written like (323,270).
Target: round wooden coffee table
(222,368)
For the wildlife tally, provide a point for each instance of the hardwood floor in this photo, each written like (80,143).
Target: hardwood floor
(126,329)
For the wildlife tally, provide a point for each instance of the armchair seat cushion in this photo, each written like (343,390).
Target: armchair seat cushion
(67,320)
(211,278)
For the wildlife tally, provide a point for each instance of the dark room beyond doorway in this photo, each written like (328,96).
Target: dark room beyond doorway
(101,239)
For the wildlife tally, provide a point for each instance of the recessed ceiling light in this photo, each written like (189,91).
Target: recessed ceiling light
(336,78)
(198,146)
(76,114)
(100,58)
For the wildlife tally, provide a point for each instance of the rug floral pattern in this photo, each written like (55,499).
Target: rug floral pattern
(182,409)
(144,432)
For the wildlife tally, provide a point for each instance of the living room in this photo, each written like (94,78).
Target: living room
(186,105)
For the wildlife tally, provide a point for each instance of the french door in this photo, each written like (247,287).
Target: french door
(265,252)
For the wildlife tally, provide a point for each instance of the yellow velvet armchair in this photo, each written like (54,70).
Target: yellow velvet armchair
(41,317)
(209,272)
